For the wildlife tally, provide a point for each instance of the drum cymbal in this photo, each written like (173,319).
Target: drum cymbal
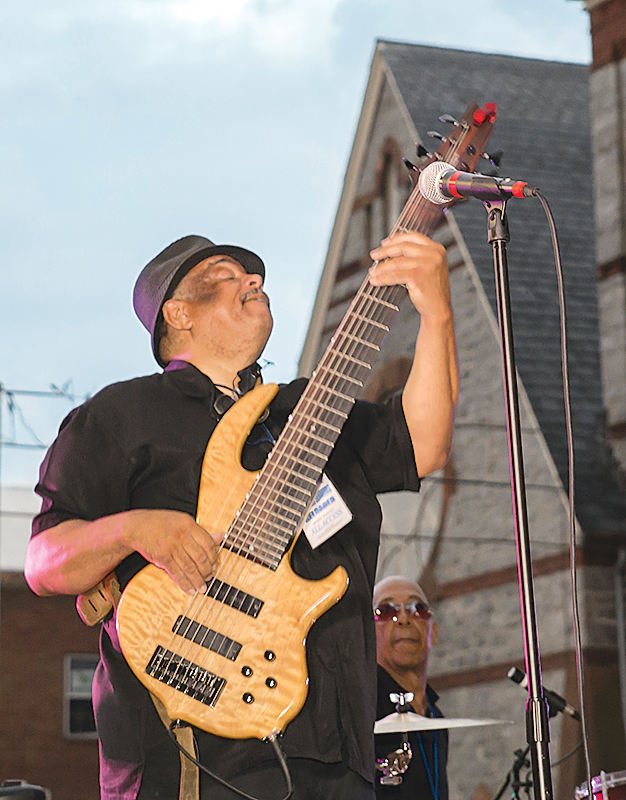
(409,721)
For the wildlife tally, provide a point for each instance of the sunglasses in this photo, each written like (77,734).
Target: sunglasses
(416,608)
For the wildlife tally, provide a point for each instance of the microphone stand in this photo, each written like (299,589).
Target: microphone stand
(537,727)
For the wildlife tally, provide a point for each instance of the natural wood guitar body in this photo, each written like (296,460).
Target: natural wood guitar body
(266,683)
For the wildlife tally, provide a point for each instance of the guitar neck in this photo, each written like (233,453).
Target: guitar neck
(274,510)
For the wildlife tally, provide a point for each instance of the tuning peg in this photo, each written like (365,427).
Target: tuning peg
(495,157)
(413,170)
(449,119)
(421,150)
(436,135)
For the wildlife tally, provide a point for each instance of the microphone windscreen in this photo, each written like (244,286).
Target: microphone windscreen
(429,182)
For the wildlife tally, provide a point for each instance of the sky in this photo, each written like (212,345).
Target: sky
(126,124)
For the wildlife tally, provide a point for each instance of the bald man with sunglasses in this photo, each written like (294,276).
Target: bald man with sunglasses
(405,632)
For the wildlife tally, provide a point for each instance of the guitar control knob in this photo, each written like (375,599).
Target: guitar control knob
(248,698)
(246,671)
(271,682)
(270,655)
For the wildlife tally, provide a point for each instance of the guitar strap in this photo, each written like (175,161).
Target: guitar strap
(93,607)
(189,772)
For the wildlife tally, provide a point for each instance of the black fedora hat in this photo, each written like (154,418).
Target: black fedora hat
(161,276)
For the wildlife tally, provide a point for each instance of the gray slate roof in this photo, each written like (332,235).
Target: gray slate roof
(544,130)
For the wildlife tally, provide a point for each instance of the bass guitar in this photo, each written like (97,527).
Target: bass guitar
(232,661)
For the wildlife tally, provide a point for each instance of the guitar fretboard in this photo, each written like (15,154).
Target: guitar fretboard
(274,510)
(275,507)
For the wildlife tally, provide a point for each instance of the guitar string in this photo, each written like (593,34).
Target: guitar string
(265,512)
(270,510)
(213,658)
(191,615)
(408,220)
(357,347)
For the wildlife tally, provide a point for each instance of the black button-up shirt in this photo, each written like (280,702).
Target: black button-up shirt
(140,444)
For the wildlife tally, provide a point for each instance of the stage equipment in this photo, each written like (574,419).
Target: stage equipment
(399,723)
(605,786)
(494,198)
(556,703)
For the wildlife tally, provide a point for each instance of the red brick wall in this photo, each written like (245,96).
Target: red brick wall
(35,634)
(608,32)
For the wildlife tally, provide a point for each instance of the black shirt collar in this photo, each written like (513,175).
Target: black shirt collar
(190,380)
(194,383)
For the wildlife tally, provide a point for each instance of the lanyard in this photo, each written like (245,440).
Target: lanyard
(434,785)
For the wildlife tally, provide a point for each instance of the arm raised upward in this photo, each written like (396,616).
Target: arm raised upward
(430,395)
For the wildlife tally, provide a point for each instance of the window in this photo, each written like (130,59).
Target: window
(78,718)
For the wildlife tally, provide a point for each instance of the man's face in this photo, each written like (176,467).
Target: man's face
(229,310)
(403,643)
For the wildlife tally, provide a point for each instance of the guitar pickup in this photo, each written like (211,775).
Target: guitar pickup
(235,598)
(212,640)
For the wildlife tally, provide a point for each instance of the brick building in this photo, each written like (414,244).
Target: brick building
(47,658)
(457,536)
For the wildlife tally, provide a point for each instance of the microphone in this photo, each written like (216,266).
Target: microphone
(556,703)
(440,182)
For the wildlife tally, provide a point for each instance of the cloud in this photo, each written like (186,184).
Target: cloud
(74,40)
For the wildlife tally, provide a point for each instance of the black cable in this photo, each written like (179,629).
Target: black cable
(277,749)
(570,465)
(559,761)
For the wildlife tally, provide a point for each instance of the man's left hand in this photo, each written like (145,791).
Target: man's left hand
(412,259)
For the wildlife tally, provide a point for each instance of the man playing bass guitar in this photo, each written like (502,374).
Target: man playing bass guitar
(120,489)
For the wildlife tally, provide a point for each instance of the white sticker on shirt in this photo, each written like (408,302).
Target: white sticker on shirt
(327,514)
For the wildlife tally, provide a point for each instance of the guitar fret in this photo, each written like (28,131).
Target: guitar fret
(294,500)
(264,516)
(274,492)
(382,302)
(269,556)
(299,488)
(310,431)
(341,375)
(258,548)
(278,507)
(332,410)
(282,462)
(365,319)
(356,361)
(339,395)
(358,339)
(284,527)
(307,464)
(321,440)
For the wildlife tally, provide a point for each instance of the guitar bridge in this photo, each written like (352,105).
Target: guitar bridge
(184,675)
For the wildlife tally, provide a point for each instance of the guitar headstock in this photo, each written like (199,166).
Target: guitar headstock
(466,142)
